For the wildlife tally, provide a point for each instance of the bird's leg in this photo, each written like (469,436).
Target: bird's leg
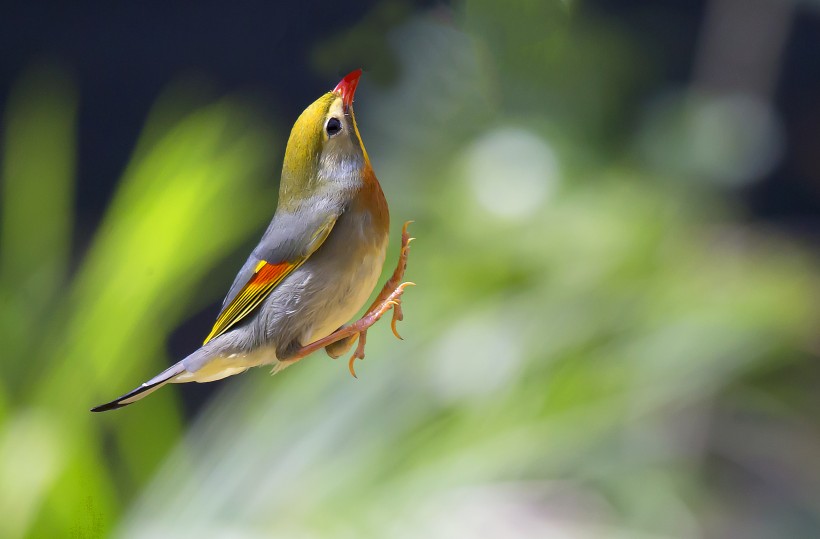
(388,298)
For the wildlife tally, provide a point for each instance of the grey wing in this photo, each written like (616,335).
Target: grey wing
(242,277)
(289,236)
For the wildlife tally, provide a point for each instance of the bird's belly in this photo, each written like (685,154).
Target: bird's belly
(343,298)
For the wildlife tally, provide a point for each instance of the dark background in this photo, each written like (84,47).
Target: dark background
(123,56)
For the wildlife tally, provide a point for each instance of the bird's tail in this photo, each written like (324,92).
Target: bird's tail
(145,389)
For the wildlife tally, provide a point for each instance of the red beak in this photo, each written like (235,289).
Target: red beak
(347,87)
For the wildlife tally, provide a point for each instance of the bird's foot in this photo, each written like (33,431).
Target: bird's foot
(388,298)
(376,311)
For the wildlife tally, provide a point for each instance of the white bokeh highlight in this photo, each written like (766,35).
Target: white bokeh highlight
(511,172)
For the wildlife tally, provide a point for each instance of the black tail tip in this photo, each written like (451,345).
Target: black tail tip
(129,398)
(113,405)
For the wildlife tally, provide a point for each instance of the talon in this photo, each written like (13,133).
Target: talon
(398,316)
(358,353)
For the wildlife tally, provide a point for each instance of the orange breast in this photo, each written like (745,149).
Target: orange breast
(371,198)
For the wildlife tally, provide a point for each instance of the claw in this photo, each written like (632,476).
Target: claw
(358,353)
(398,316)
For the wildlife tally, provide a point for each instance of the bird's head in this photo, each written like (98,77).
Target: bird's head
(325,153)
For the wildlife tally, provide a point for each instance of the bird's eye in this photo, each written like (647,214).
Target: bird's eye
(333,127)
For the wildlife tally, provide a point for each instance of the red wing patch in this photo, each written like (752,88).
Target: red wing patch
(264,279)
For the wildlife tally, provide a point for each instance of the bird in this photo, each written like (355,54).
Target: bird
(317,262)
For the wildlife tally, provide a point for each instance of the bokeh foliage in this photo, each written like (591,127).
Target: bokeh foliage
(70,340)
(600,346)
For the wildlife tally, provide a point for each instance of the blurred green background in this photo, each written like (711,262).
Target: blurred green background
(615,332)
